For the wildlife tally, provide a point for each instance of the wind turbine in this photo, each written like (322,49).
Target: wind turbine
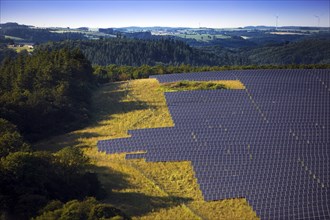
(276,16)
(318,20)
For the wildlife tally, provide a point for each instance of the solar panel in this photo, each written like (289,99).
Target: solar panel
(268,143)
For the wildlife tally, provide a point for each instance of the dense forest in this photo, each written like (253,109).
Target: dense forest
(40,95)
(310,51)
(135,52)
(307,51)
(46,87)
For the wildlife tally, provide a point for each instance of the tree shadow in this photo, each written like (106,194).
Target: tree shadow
(112,179)
(109,100)
(139,204)
(132,203)
(62,141)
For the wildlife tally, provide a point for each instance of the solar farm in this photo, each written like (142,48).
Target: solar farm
(268,143)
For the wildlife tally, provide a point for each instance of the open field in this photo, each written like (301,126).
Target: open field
(163,190)
(91,34)
(14,38)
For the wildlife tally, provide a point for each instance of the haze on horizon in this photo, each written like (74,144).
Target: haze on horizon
(166,13)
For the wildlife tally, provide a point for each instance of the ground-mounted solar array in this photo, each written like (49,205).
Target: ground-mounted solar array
(268,143)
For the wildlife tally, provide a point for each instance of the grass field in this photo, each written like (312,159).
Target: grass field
(162,190)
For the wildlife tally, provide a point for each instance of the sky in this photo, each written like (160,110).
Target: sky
(169,13)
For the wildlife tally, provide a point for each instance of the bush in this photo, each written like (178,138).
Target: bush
(88,209)
(106,211)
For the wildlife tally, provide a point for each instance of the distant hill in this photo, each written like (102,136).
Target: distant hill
(14,25)
(34,35)
(136,46)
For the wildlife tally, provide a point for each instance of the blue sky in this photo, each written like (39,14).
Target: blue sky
(122,13)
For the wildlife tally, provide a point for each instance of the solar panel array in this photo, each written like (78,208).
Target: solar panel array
(268,143)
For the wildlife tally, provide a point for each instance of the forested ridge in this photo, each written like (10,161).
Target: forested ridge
(137,52)
(240,47)
(310,51)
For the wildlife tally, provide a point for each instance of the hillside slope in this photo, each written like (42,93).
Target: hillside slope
(163,190)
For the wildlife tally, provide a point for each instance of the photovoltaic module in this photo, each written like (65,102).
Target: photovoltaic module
(268,143)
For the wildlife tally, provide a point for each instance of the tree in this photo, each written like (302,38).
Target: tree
(29,180)
(72,158)
(10,139)
(50,86)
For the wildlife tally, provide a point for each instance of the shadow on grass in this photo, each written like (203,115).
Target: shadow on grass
(132,203)
(139,204)
(67,140)
(111,179)
(109,100)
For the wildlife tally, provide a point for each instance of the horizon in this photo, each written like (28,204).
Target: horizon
(166,13)
(64,27)
(134,26)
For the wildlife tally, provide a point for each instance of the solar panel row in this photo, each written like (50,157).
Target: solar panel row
(268,143)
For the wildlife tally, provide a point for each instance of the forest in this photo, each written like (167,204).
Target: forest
(41,95)
(137,52)
(47,85)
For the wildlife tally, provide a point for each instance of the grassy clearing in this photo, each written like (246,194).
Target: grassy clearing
(18,49)
(14,38)
(201,85)
(163,190)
